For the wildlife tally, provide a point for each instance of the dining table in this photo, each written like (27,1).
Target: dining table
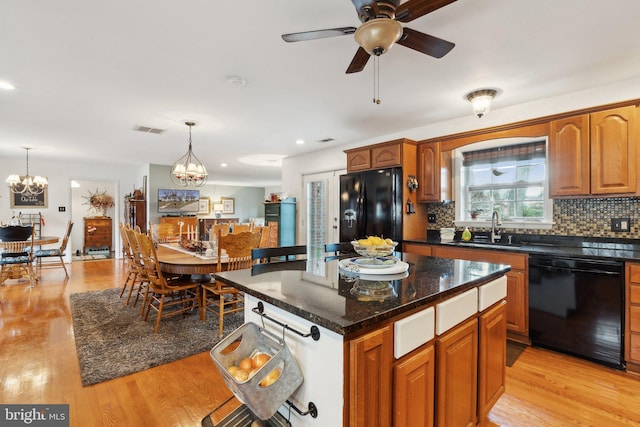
(174,259)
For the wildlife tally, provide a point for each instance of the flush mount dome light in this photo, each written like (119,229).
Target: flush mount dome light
(481,100)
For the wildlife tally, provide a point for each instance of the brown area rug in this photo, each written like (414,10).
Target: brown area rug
(514,350)
(112,340)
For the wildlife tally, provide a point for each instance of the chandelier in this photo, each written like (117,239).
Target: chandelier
(188,170)
(27,185)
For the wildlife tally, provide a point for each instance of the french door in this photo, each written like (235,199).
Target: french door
(320,219)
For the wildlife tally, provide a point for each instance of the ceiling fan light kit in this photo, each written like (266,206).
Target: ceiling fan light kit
(481,100)
(378,35)
(381,29)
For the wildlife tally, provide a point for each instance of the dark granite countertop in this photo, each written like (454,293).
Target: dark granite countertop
(575,247)
(332,304)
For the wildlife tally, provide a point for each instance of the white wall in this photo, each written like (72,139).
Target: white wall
(334,158)
(248,201)
(124,177)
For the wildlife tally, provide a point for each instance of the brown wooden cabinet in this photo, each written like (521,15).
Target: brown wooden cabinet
(383,155)
(594,154)
(435,170)
(370,379)
(414,388)
(492,358)
(136,213)
(632,316)
(518,302)
(569,152)
(429,172)
(97,233)
(457,375)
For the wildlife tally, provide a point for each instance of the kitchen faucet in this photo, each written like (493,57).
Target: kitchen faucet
(495,222)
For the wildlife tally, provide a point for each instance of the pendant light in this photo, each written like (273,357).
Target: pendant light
(27,185)
(188,170)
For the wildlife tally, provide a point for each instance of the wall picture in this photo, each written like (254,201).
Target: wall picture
(228,205)
(29,200)
(204,206)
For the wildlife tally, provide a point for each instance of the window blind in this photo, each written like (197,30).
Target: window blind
(527,151)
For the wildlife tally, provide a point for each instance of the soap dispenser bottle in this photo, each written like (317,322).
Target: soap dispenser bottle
(466,234)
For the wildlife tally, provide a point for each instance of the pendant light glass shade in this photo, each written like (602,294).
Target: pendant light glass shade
(188,170)
(27,184)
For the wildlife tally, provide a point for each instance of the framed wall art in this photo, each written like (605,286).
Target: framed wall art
(204,206)
(29,200)
(228,205)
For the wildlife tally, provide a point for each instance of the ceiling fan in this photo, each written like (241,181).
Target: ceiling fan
(381,29)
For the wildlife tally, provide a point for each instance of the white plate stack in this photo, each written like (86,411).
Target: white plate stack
(446,234)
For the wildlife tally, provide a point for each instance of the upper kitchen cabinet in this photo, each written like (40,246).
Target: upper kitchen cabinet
(434,173)
(429,172)
(383,155)
(594,154)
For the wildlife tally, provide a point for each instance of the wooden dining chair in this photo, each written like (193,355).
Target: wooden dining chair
(165,232)
(133,281)
(217,297)
(140,285)
(241,228)
(166,297)
(16,253)
(56,254)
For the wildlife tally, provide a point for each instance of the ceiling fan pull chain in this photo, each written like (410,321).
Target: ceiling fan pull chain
(376,80)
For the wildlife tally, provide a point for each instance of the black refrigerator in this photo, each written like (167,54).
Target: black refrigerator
(371,205)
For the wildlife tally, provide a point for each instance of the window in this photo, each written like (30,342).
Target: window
(509,178)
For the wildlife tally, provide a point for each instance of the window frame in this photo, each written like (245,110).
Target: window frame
(461,219)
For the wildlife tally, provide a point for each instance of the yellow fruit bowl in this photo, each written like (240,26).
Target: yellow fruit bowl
(377,250)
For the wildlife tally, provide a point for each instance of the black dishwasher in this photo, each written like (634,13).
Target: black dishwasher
(576,306)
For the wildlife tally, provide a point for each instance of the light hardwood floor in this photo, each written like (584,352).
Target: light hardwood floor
(38,364)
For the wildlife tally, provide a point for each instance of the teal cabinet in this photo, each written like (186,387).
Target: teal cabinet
(284,213)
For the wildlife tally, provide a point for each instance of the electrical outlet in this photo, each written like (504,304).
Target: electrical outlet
(431,218)
(61,209)
(620,224)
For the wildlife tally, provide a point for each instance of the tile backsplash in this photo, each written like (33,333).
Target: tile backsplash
(571,217)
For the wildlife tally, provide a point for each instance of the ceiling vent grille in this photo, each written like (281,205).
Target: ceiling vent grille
(147,129)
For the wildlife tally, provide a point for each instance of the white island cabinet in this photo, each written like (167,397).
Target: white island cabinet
(321,363)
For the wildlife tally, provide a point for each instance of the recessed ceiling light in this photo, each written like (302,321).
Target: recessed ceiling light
(223,165)
(299,141)
(6,86)
(237,80)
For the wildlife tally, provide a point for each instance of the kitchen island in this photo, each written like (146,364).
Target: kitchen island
(426,348)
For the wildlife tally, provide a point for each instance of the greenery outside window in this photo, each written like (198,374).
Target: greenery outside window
(510,179)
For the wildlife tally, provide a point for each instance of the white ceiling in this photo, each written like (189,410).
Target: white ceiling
(86,73)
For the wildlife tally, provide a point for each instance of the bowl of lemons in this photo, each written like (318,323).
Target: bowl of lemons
(374,246)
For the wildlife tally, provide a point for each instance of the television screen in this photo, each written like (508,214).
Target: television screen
(178,201)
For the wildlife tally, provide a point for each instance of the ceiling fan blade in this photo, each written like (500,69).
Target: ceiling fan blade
(318,34)
(414,9)
(425,43)
(359,61)
(367,9)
